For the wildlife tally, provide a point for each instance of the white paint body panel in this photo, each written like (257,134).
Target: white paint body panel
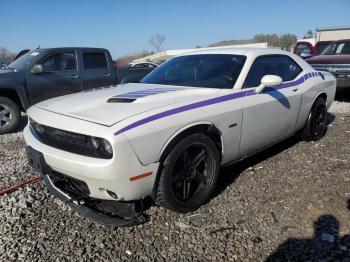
(258,121)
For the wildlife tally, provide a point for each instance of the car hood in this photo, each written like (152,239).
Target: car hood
(10,76)
(329,59)
(110,105)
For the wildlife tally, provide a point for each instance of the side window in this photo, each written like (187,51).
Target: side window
(94,61)
(60,62)
(279,65)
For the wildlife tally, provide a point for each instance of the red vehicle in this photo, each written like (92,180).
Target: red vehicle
(306,48)
(335,59)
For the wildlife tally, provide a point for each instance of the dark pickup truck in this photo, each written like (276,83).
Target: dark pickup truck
(41,74)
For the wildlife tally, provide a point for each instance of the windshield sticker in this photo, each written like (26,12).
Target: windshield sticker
(34,53)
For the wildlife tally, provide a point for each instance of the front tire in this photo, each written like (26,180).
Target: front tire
(10,116)
(316,124)
(189,174)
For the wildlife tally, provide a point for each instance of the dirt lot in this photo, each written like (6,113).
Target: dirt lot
(290,201)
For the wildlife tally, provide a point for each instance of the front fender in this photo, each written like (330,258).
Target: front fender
(7,86)
(180,130)
(149,141)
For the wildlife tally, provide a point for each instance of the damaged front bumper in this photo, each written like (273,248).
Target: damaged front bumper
(75,194)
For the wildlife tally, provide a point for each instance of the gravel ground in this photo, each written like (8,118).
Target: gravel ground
(290,201)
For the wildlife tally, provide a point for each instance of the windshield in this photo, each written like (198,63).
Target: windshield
(338,48)
(211,71)
(321,47)
(24,61)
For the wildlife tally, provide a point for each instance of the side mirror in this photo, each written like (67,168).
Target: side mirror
(305,54)
(268,81)
(37,69)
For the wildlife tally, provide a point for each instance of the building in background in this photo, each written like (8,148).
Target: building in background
(165,55)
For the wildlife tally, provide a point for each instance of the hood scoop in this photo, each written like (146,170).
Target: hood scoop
(130,97)
(120,100)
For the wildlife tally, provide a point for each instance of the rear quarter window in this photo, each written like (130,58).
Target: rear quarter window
(280,65)
(95,61)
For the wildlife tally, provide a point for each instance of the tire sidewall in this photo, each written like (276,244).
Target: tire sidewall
(13,107)
(309,132)
(166,175)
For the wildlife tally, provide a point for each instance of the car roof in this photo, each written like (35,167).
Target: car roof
(72,47)
(341,41)
(246,51)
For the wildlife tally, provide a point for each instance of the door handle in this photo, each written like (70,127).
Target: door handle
(73,76)
(295,89)
(106,74)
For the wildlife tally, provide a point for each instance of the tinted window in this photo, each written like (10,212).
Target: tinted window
(321,47)
(302,48)
(282,66)
(212,71)
(94,60)
(25,60)
(338,48)
(60,62)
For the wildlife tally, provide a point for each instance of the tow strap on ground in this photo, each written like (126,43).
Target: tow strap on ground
(20,184)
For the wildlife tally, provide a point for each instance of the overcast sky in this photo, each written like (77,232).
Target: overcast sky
(126,26)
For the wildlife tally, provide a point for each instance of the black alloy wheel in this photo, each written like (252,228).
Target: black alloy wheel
(189,174)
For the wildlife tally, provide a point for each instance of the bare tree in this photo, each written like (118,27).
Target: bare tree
(309,34)
(157,42)
(6,55)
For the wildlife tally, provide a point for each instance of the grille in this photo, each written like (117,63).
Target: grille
(60,136)
(333,68)
(65,140)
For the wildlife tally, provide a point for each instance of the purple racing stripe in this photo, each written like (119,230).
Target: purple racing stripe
(211,101)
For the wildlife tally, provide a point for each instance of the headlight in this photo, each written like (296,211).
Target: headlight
(37,127)
(107,146)
(95,142)
(102,146)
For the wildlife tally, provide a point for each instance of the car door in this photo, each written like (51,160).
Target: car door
(96,69)
(272,114)
(60,76)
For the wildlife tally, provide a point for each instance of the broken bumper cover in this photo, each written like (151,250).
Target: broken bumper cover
(102,176)
(75,193)
(128,214)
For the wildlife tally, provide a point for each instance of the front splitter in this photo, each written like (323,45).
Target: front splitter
(96,215)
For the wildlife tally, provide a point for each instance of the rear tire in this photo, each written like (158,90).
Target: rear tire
(189,174)
(316,125)
(10,116)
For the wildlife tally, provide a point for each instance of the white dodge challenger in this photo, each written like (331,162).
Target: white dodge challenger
(103,151)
